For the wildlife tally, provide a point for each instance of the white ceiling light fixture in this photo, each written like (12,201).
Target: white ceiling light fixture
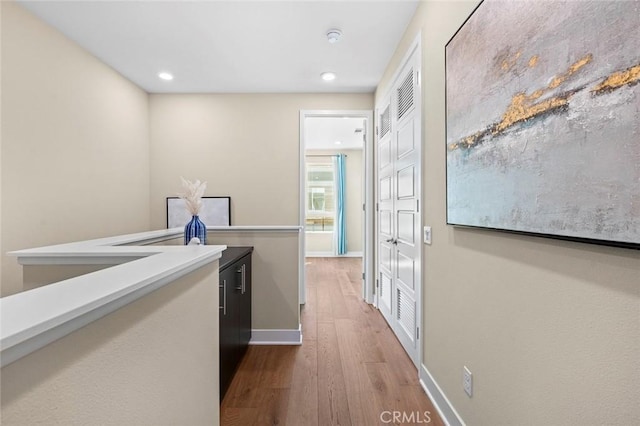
(328,76)
(338,142)
(334,35)
(165,76)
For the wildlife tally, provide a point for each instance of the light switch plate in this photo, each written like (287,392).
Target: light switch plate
(467,381)
(427,235)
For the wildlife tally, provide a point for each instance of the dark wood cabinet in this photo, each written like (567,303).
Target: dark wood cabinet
(235,311)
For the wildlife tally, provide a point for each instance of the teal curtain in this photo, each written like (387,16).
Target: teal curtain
(340,233)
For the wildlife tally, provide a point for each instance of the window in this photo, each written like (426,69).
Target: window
(320,197)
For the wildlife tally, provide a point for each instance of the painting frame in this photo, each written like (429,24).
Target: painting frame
(487,135)
(216,211)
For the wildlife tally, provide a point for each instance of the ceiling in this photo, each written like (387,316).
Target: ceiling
(321,133)
(240,46)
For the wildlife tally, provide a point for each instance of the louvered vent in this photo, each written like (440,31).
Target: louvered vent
(406,309)
(405,95)
(385,122)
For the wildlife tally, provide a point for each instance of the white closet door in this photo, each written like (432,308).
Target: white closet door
(406,212)
(386,226)
(399,257)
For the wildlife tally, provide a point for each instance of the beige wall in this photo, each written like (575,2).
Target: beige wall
(34,276)
(244,145)
(323,242)
(318,243)
(75,144)
(144,364)
(274,275)
(549,329)
(274,282)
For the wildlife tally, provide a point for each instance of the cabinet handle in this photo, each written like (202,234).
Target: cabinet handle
(242,270)
(224,297)
(239,271)
(244,277)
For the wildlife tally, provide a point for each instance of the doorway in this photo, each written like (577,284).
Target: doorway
(336,190)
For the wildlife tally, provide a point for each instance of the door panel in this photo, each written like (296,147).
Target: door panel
(406,141)
(385,257)
(385,188)
(385,223)
(385,153)
(407,252)
(386,217)
(406,182)
(406,270)
(406,227)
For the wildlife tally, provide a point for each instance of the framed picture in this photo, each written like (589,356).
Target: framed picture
(542,120)
(216,211)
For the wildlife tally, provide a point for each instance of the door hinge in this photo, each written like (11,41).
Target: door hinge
(377,207)
(363,276)
(377,283)
(418,333)
(376,130)
(418,206)
(364,207)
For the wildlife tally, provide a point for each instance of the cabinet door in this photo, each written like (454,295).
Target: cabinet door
(235,318)
(228,329)
(244,321)
(234,299)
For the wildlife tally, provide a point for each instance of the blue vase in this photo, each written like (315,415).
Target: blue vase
(195,228)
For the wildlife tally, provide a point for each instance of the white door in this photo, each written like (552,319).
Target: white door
(385,208)
(398,236)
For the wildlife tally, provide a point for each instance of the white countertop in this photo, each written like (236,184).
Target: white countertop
(32,319)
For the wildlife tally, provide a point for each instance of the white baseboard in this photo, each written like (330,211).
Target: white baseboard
(332,254)
(447,412)
(319,254)
(276,337)
(352,254)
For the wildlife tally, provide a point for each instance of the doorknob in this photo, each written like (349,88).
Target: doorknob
(390,240)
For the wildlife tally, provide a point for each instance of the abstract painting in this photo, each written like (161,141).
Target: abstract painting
(543,120)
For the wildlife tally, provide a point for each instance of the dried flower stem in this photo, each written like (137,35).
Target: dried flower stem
(192,193)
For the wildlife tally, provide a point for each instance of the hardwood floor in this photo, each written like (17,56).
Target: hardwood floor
(350,369)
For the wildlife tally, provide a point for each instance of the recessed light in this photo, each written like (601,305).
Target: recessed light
(328,76)
(165,76)
(338,142)
(334,35)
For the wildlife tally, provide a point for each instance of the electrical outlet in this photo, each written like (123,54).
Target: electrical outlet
(467,381)
(427,235)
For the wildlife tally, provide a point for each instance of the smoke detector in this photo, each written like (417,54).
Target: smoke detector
(334,35)
(328,76)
